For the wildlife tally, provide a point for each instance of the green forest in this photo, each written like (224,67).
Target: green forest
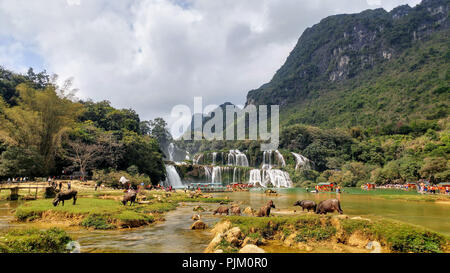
(46,131)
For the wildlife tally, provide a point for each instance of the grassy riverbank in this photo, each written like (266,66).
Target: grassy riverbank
(309,232)
(34,241)
(106,211)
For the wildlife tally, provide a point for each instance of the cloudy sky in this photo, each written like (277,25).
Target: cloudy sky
(151,55)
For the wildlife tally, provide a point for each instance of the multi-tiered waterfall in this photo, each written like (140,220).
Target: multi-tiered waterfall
(233,167)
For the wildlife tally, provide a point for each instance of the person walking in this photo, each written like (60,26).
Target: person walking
(69,186)
(60,186)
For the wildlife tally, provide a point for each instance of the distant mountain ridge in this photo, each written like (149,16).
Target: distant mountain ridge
(353,63)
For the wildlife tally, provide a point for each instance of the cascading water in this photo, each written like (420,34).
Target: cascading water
(172,178)
(197,159)
(301,162)
(267,160)
(216,175)
(171,149)
(270,178)
(280,159)
(214,156)
(255,177)
(276,178)
(237,158)
(208,174)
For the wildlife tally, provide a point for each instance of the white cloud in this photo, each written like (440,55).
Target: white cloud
(152,54)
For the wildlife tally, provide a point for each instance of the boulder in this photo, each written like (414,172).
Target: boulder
(251,249)
(198,208)
(214,243)
(199,225)
(290,240)
(234,236)
(221,227)
(195,217)
(249,211)
(374,246)
(250,241)
(358,239)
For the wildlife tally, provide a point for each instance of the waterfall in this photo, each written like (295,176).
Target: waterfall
(214,156)
(270,178)
(277,178)
(241,159)
(255,177)
(171,149)
(280,159)
(236,158)
(208,174)
(231,158)
(197,159)
(216,175)
(172,177)
(267,160)
(301,162)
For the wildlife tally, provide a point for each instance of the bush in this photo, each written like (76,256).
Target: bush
(97,221)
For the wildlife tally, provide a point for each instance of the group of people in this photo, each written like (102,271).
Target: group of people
(54,184)
(18,179)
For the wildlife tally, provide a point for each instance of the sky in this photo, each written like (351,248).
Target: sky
(150,55)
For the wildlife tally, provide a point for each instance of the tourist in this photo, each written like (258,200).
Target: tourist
(69,185)
(60,186)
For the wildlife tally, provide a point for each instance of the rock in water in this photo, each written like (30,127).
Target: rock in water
(195,217)
(199,225)
(251,249)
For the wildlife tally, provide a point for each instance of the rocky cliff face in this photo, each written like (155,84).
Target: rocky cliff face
(342,46)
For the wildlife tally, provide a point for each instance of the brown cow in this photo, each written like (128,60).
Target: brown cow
(329,205)
(265,211)
(222,209)
(236,210)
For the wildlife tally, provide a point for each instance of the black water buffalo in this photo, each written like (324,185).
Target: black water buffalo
(65,195)
(222,209)
(306,204)
(265,211)
(129,196)
(329,205)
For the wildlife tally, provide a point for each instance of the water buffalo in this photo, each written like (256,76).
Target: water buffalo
(329,205)
(306,204)
(222,209)
(65,195)
(236,210)
(265,211)
(129,196)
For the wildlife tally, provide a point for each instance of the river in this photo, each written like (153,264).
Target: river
(174,234)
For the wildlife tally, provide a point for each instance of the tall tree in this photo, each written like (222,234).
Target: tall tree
(39,121)
(83,155)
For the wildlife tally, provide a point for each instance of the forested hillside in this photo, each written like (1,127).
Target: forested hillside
(45,131)
(372,69)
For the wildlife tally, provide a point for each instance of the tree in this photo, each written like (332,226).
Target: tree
(38,122)
(433,166)
(83,155)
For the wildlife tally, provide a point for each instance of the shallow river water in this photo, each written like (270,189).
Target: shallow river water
(175,235)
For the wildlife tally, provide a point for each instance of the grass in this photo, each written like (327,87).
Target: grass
(34,241)
(396,236)
(97,213)
(108,214)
